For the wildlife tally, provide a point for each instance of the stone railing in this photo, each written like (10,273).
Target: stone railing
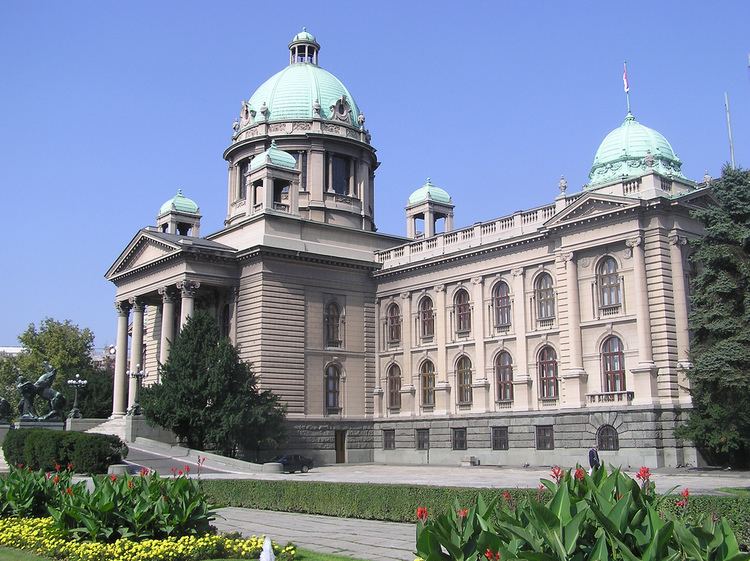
(504,228)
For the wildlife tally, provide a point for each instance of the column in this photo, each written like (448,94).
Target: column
(575,376)
(121,360)
(136,345)
(267,192)
(167,322)
(429,223)
(481,384)
(522,382)
(644,373)
(679,288)
(442,387)
(188,289)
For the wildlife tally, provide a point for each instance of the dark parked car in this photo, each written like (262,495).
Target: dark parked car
(294,462)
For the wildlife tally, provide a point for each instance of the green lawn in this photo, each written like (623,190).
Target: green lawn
(739,491)
(7,554)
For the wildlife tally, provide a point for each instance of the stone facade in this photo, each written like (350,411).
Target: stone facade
(542,332)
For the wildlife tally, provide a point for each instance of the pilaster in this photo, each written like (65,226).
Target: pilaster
(522,396)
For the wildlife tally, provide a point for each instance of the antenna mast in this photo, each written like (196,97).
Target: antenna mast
(729,130)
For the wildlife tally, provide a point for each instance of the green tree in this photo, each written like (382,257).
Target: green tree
(720,322)
(67,348)
(210,398)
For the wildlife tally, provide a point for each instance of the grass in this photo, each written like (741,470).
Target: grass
(739,491)
(8,554)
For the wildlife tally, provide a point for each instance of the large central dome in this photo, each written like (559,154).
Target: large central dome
(304,90)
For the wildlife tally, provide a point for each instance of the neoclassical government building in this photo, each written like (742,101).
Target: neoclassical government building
(524,339)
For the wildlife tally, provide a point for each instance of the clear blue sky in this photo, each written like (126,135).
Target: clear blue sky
(106,108)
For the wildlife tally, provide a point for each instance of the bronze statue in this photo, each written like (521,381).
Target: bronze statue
(42,388)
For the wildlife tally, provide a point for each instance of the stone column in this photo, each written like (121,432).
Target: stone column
(121,360)
(188,289)
(575,376)
(644,373)
(136,344)
(679,288)
(481,385)
(167,322)
(442,386)
(522,395)
(429,223)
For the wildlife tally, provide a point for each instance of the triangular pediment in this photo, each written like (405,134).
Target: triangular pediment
(142,250)
(698,199)
(591,205)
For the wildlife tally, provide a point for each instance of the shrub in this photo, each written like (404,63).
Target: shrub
(24,492)
(39,535)
(43,448)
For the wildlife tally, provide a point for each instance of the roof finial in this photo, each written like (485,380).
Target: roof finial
(625,84)
(428,181)
(179,192)
(304,28)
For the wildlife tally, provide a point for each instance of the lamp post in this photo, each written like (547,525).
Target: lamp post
(137,376)
(76,383)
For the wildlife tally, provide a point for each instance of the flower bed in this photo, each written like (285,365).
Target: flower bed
(40,536)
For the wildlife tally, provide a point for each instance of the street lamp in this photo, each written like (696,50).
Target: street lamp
(137,376)
(76,383)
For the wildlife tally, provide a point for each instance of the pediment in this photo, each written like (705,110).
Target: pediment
(592,205)
(141,251)
(699,199)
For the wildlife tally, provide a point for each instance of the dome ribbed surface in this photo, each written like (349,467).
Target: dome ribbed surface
(180,203)
(625,151)
(429,192)
(290,94)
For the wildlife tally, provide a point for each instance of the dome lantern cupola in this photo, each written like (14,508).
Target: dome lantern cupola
(303,48)
(428,204)
(179,215)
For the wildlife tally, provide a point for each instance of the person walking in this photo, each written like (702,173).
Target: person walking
(593,459)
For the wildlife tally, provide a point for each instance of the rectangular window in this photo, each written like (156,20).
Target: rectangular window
(340,172)
(459,439)
(389,439)
(499,438)
(423,439)
(302,166)
(545,437)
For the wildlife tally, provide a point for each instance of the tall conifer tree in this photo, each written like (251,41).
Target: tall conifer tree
(720,322)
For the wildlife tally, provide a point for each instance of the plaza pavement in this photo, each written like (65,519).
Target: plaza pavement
(385,541)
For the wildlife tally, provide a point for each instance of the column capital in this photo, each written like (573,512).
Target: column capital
(477,280)
(122,307)
(137,303)
(634,242)
(167,294)
(188,288)
(517,272)
(567,257)
(676,239)
(439,288)
(405,295)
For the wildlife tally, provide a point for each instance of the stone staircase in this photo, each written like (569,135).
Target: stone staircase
(115,425)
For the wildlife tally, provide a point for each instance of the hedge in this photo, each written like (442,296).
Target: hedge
(398,503)
(43,448)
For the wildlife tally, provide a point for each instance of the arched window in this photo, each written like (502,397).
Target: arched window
(426,318)
(607,439)
(463,311)
(547,368)
(610,294)
(463,374)
(613,365)
(545,297)
(333,325)
(504,376)
(427,378)
(394,387)
(393,324)
(501,304)
(333,390)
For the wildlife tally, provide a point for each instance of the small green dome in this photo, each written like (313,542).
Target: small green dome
(274,156)
(304,36)
(180,203)
(429,192)
(290,95)
(631,149)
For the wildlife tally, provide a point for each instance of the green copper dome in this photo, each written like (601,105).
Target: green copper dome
(629,151)
(273,156)
(180,203)
(303,91)
(429,192)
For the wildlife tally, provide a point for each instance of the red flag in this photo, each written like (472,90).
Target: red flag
(625,78)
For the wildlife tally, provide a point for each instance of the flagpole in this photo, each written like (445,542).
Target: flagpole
(626,85)
(729,130)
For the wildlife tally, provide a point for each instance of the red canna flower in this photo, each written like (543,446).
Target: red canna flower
(492,556)
(580,474)
(58,467)
(179,472)
(685,493)
(69,490)
(682,503)
(187,468)
(56,479)
(421,513)
(112,477)
(557,474)
(462,512)
(144,471)
(47,475)
(507,496)
(644,474)
(70,466)
(130,484)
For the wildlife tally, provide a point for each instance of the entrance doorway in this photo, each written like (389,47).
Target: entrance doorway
(340,446)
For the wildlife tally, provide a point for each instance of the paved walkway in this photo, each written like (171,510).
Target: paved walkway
(362,539)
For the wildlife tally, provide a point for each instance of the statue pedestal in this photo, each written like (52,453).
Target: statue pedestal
(31,424)
(4,428)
